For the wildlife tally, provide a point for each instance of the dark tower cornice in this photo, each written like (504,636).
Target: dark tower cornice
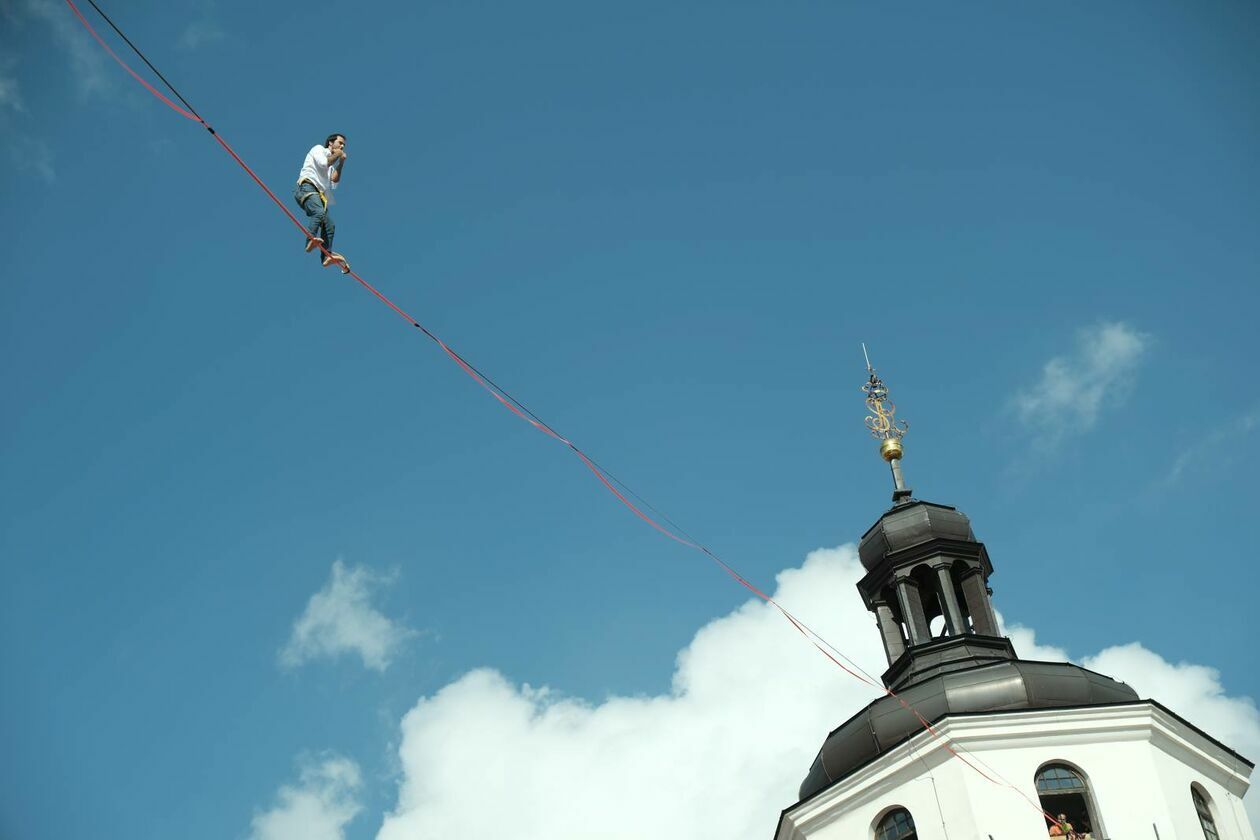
(927,581)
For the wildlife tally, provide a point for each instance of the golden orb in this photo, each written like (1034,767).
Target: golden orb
(890,449)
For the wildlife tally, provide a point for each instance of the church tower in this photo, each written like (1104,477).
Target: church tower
(970,741)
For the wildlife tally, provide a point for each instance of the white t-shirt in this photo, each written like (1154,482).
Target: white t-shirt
(316,169)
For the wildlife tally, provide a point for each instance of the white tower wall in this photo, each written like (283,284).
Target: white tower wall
(1138,759)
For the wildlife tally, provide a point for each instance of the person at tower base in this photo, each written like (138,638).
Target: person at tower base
(320,175)
(1062,828)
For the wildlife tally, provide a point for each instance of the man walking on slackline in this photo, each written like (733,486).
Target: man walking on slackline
(321,172)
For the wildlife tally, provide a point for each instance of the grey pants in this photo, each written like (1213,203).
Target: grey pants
(307,197)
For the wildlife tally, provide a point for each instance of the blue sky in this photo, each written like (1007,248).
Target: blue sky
(664,227)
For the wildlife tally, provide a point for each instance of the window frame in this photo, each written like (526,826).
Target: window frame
(890,813)
(1092,809)
(1200,796)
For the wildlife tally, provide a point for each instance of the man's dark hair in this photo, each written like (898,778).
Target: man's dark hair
(332,137)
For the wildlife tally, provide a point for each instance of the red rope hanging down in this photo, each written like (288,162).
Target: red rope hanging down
(517,408)
(133,73)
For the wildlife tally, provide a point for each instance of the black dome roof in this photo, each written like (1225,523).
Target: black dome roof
(911,524)
(1014,684)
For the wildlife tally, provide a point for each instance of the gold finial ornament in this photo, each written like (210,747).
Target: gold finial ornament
(885,427)
(882,421)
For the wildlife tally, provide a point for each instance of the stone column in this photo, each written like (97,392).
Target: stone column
(912,611)
(889,630)
(982,619)
(953,613)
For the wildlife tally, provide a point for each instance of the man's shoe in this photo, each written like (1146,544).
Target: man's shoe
(328,261)
(345,264)
(312,243)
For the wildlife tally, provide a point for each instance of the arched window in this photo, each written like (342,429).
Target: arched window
(1205,813)
(1065,795)
(897,824)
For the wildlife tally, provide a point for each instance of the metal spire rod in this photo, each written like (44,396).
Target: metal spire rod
(885,427)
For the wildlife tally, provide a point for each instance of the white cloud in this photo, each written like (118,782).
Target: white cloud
(204,29)
(199,33)
(325,799)
(25,153)
(721,753)
(10,95)
(1071,392)
(1192,691)
(1025,641)
(30,154)
(10,88)
(340,619)
(1205,449)
(725,749)
(87,59)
